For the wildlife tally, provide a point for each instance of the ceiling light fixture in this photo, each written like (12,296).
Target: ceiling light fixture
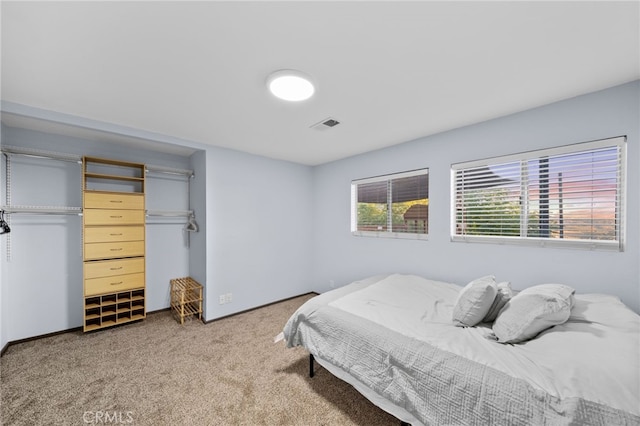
(290,85)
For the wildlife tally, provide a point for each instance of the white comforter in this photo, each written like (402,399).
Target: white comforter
(394,335)
(594,356)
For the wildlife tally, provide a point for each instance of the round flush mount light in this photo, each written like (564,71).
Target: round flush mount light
(290,85)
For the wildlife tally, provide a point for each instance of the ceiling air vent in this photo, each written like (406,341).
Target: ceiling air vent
(325,124)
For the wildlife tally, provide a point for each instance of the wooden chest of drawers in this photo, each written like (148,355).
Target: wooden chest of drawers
(109,268)
(97,251)
(109,234)
(113,217)
(114,245)
(104,285)
(113,200)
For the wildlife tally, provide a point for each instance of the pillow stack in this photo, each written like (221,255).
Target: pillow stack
(474,301)
(503,295)
(532,311)
(515,318)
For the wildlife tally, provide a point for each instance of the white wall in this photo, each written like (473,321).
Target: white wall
(43,279)
(198,240)
(341,257)
(258,229)
(167,244)
(4,335)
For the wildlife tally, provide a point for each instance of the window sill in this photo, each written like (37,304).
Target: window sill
(543,242)
(396,235)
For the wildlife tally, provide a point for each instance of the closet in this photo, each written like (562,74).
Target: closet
(84,228)
(113,205)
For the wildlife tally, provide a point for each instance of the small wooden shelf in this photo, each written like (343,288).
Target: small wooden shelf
(186,298)
(112,309)
(91,327)
(104,175)
(113,177)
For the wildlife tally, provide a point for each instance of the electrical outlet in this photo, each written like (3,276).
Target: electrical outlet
(332,284)
(225,298)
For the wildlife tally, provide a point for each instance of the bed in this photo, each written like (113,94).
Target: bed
(393,339)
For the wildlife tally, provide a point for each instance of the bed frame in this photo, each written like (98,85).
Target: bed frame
(313,373)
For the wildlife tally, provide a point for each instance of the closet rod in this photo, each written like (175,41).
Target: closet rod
(36,153)
(168,170)
(42,210)
(78,210)
(170,213)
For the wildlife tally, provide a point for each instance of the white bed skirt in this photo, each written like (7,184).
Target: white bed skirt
(388,406)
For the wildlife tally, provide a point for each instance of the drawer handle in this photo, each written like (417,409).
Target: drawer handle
(115,201)
(115,217)
(116,249)
(115,235)
(118,283)
(115,269)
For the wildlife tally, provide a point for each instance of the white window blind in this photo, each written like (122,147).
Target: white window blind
(394,205)
(570,196)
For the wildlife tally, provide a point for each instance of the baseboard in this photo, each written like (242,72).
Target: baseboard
(157,311)
(55,333)
(72,330)
(41,336)
(258,307)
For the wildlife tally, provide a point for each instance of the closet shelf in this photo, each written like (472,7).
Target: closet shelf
(168,170)
(170,213)
(37,153)
(63,210)
(42,209)
(114,177)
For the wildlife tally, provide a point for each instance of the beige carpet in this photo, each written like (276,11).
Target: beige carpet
(157,372)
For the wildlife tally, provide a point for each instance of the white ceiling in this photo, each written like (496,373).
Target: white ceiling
(389,71)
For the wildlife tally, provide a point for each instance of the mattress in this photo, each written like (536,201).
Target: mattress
(393,335)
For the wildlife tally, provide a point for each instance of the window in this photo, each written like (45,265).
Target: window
(394,205)
(569,196)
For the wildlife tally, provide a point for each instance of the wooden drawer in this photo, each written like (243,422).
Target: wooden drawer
(109,268)
(113,284)
(113,200)
(113,217)
(107,234)
(113,250)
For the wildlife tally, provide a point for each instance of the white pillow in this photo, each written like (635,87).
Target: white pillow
(502,297)
(474,301)
(533,310)
(604,309)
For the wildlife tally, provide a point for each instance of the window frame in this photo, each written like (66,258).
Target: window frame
(384,234)
(618,244)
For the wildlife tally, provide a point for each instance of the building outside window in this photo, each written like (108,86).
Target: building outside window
(395,205)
